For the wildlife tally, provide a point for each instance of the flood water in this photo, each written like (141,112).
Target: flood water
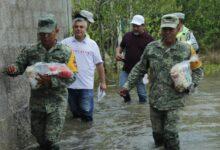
(120,126)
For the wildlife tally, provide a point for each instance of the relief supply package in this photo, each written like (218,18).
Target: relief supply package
(145,79)
(51,69)
(181,74)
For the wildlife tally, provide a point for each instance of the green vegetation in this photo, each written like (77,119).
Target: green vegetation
(112,20)
(211,63)
(211,69)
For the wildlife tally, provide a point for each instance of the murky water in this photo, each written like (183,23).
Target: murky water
(127,126)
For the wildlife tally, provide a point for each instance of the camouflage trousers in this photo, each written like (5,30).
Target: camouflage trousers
(165,130)
(47,127)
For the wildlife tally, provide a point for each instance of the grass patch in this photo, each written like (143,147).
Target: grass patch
(211,62)
(211,57)
(210,69)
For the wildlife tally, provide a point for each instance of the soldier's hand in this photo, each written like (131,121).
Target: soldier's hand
(123,92)
(10,70)
(44,80)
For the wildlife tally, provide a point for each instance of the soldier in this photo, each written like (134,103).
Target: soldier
(48,103)
(165,101)
(185,34)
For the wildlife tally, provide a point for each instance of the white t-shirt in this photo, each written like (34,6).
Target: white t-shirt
(87,56)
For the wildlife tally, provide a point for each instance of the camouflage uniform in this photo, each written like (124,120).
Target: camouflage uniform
(164,99)
(48,103)
(186,34)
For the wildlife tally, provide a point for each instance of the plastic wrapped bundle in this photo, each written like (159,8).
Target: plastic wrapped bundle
(100,94)
(51,69)
(145,79)
(181,75)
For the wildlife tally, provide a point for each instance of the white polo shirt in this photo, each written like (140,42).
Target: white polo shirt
(87,56)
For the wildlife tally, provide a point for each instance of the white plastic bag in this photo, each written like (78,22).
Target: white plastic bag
(50,69)
(145,79)
(100,94)
(181,75)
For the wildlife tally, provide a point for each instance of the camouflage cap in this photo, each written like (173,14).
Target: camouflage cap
(169,20)
(47,23)
(180,15)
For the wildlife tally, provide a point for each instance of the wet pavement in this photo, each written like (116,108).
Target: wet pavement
(119,126)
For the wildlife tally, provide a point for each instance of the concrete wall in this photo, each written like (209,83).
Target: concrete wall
(18,27)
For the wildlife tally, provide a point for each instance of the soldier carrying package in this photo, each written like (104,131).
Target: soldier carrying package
(165,100)
(48,102)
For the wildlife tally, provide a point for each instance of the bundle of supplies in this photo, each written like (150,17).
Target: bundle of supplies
(50,69)
(181,74)
(145,79)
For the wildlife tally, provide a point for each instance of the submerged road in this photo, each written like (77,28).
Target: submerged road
(119,126)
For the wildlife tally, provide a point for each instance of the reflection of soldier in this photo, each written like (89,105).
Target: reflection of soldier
(165,101)
(48,103)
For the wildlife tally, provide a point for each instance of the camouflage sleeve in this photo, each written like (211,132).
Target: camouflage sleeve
(193,42)
(138,71)
(197,75)
(61,82)
(21,62)
(196,66)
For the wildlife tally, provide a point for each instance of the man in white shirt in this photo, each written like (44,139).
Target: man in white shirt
(88,58)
